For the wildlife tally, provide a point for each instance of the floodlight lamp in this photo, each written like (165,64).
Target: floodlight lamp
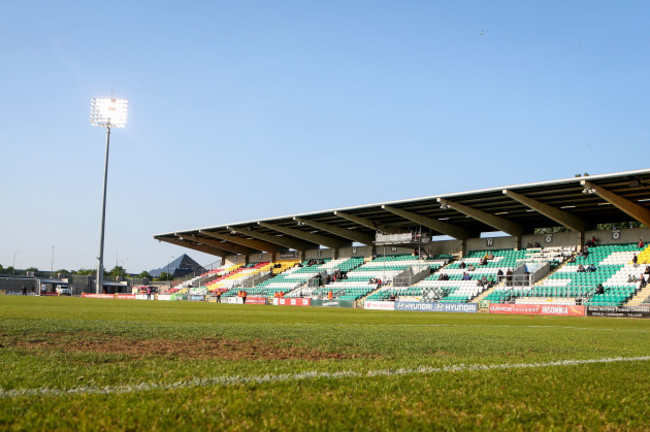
(588,190)
(108,112)
(445,207)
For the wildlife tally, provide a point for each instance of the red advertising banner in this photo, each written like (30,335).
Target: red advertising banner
(292,301)
(524,309)
(256,300)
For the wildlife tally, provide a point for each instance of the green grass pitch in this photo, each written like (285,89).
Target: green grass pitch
(84,364)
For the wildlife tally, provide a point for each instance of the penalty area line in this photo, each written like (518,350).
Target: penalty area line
(236,380)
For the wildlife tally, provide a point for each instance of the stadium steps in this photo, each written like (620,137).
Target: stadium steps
(486,293)
(296,291)
(376,290)
(639,297)
(559,268)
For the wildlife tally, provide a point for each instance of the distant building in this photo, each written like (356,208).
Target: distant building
(180,267)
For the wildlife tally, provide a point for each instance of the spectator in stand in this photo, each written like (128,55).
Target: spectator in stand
(471,267)
(635,260)
(647,269)
(581,269)
(572,259)
(591,268)
(509,277)
(641,245)
(499,275)
(631,278)
(466,276)
(643,282)
(599,289)
(491,282)
(462,265)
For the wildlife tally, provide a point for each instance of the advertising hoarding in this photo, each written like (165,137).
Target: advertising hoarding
(436,307)
(537,309)
(379,305)
(292,301)
(619,312)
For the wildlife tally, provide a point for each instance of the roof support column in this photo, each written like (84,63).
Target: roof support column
(497,222)
(434,224)
(284,241)
(628,207)
(258,245)
(367,223)
(199,247)
(560,216)
(233,248)
(349,234)
(317,239)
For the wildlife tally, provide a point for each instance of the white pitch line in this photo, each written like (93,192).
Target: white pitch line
(453,325)
(236,380)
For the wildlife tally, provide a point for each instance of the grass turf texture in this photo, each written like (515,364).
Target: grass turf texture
(58,344)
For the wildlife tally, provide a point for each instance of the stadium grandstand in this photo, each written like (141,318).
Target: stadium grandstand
(572,241)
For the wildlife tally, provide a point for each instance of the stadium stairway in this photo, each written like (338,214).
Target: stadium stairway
(639,297)
(487,292)
(297,291)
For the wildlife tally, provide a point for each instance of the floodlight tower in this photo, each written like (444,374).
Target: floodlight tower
(108,113)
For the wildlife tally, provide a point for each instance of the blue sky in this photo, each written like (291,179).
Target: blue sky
(244,110)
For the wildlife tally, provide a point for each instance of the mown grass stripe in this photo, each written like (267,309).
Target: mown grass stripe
(236,380)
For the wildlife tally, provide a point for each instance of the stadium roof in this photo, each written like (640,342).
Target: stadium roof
(578,203)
